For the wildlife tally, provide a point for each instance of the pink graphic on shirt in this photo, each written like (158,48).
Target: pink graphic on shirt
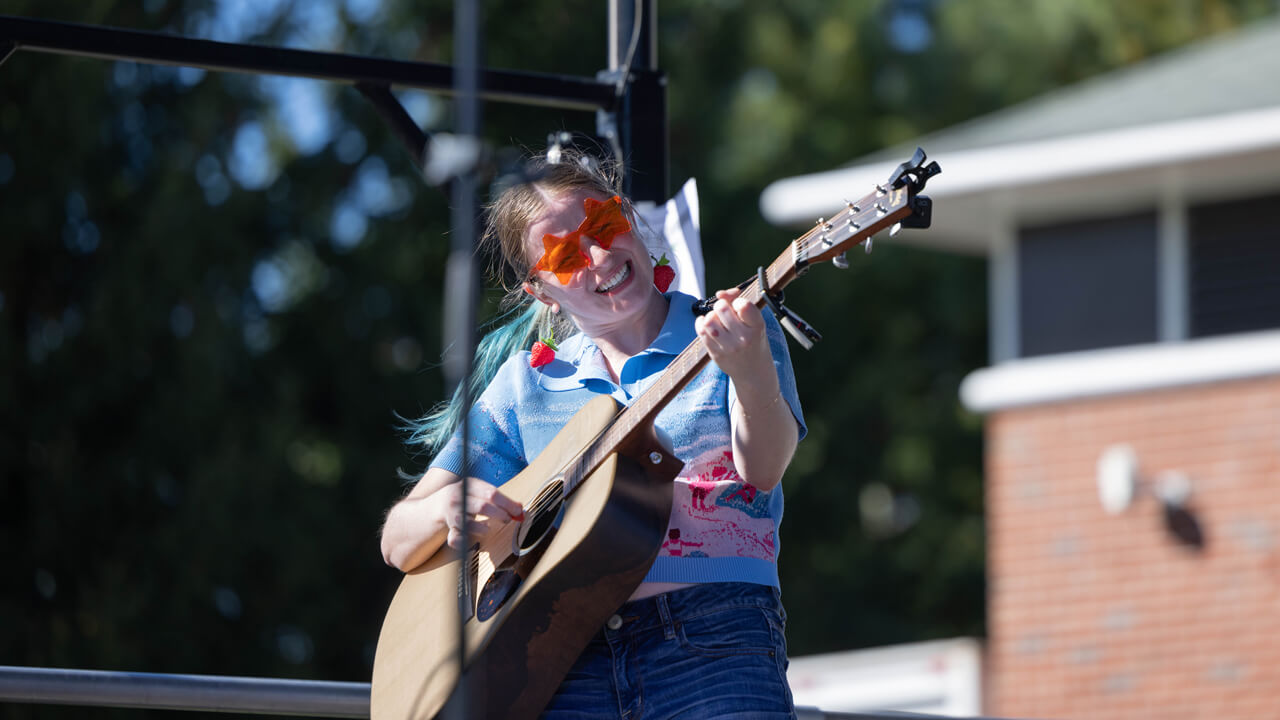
(748,539)
(723,467)
(699,491)
(675,546)
(718,514)
(746,491)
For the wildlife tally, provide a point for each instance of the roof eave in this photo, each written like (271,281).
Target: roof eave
(1111,171)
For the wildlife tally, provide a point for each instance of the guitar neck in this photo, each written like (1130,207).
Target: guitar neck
(640,414)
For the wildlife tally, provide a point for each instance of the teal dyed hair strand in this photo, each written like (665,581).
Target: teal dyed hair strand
(512,331)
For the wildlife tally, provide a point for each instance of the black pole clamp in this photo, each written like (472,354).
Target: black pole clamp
(795,325)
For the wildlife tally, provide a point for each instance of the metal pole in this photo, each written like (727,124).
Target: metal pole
(462,291)
(638,123)
(622,23)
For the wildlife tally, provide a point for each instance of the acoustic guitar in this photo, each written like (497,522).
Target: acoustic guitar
(597,501)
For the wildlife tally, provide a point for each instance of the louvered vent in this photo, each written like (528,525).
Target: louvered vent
(1086,285)
(1234,266)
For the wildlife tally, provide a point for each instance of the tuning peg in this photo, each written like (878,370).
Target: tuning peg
(841,261)
(867,246)
(893,231)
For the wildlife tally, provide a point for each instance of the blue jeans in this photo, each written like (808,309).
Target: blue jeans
(709,651)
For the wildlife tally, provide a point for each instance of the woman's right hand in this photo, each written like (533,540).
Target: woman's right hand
(431,515)
(487,510)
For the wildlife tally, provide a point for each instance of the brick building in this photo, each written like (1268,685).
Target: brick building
(1132,226)
(1167,603)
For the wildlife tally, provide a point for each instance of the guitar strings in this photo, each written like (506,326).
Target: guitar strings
(870,208)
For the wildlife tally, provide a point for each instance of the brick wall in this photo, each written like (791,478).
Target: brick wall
(1093,615)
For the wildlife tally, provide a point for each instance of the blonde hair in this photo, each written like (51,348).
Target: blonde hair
(522,319)
(519,205)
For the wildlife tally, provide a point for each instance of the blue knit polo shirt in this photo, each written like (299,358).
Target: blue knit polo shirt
(721,529)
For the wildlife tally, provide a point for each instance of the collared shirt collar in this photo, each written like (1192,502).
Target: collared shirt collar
(580,362)
(677,332)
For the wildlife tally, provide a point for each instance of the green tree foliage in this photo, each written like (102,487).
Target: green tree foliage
(217,291)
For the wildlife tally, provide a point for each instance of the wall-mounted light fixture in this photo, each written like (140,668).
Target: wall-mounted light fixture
(1120,483)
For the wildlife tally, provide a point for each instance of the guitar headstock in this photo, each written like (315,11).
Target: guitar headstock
(893,204)
(896,203)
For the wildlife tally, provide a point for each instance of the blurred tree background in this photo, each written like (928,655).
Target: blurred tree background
(218,290)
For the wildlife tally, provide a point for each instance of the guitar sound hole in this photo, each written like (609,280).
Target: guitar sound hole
(540,515)
(536,528)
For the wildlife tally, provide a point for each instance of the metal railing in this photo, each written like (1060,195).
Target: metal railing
(159,691)
(218,693)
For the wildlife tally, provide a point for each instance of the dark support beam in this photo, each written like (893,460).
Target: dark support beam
(638,125)
(397,118)
(642,128)
(563,91)
(7,48)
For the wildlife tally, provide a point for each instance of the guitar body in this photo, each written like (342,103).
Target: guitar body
(520,647)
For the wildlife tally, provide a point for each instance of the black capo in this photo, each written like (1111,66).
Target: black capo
(914,173)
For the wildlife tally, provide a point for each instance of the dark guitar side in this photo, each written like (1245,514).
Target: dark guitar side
(518,673)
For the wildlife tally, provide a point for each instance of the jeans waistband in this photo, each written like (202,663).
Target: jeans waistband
(665,610)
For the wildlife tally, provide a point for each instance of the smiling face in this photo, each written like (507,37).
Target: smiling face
(609,287)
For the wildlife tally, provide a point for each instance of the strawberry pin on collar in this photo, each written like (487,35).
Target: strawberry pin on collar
(663,273)
(542,352)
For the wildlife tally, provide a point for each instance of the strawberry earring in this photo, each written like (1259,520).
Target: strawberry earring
(543,351)
(663,273)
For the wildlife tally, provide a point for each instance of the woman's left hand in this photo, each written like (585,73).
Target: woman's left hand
(734,335)
(764,430)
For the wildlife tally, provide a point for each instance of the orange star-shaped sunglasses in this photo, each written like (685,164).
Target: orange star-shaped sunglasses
(563,256)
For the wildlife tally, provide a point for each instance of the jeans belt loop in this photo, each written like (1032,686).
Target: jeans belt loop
(664,611)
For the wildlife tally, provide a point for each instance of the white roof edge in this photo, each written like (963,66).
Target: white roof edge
(805,197)
(1095,373)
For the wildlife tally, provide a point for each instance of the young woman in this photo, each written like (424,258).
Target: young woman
(702,636)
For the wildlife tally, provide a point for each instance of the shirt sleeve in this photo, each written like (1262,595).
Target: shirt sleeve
(495,451)
(782,365)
